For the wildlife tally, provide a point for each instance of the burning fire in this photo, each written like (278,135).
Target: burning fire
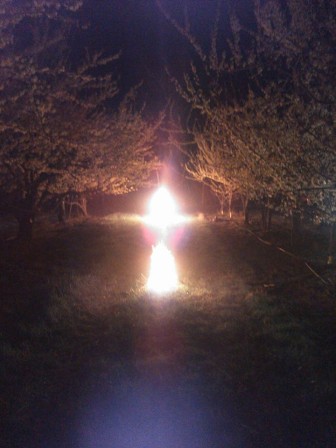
(163,275)
(163,211)
(162,215)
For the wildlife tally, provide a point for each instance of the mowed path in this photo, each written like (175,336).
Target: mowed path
(225,257)
(94,361)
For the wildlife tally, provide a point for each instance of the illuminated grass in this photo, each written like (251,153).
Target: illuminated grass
(78,322)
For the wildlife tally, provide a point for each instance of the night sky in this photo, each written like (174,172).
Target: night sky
(148,43)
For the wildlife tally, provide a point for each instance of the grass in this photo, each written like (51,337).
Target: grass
(90,359)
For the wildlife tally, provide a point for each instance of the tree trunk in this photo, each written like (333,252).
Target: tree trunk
(296,226)
(245,202)
(221,202)
(269,219)
(83,205)
(26,221)
(331,244)
(79,204)
(264,217)
(61,212)
(230,204)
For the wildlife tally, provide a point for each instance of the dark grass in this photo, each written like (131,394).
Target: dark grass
(89,359)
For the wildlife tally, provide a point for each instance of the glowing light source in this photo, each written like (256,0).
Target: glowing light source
(163,210)
(163,215)
(163,275)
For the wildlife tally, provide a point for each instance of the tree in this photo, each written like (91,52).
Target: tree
(278,117)
(59,133)
(228,158)
(303,36)
(13,13)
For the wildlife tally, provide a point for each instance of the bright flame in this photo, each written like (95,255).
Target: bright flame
(163,275)
(163,209)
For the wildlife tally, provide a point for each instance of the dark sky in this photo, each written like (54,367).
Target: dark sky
(148,42)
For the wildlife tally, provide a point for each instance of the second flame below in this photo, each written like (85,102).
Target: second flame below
(163,276)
